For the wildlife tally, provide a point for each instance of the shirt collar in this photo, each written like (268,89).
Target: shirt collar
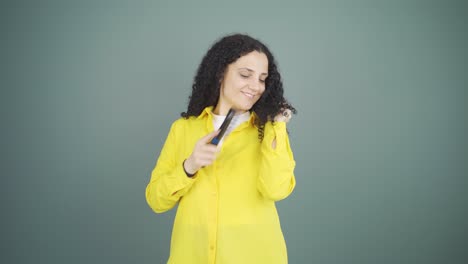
(208,111)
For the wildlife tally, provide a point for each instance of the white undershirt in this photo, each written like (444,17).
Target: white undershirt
(236,120)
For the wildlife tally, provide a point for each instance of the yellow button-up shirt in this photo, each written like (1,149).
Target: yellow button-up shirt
(226,212)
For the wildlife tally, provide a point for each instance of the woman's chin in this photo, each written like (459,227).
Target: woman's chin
(243,107)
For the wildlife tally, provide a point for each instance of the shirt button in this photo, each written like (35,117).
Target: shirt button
(212,247)
(214,193)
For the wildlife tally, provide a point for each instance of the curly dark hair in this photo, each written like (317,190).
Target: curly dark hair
(210,73)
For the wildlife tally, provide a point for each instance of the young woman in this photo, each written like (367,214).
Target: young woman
(226,194)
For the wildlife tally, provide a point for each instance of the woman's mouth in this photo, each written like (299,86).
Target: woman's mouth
(249,95)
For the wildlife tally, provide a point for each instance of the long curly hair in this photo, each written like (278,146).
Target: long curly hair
(210,73)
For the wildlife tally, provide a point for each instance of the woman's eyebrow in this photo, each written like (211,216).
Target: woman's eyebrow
(250,70)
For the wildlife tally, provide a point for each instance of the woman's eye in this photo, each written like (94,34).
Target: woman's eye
(245,76)
(262,81)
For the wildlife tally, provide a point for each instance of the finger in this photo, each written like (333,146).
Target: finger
(203,161)
(209,137)
(206,156)
(280,117)
(287,114)
(206,161)
(284,115)
(205,152)
(209,148)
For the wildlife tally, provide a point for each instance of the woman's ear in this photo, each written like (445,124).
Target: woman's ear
(221,80)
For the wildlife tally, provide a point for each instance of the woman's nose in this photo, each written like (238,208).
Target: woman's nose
(255,85)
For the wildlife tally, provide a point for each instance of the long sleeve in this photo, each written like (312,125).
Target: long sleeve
(276,174)
(168,180)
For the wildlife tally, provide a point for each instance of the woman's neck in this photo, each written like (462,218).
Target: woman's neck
(223,111)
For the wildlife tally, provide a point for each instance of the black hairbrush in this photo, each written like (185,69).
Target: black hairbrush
(223,127)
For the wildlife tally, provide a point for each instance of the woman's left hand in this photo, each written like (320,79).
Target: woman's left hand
(284,116)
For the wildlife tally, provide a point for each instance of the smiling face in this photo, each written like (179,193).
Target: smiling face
(243,83)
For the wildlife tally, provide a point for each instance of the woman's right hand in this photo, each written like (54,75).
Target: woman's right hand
(203,154)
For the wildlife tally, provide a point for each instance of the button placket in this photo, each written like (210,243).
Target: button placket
(213,218)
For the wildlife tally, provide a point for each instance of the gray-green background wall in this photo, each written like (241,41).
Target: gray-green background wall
(90,88)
